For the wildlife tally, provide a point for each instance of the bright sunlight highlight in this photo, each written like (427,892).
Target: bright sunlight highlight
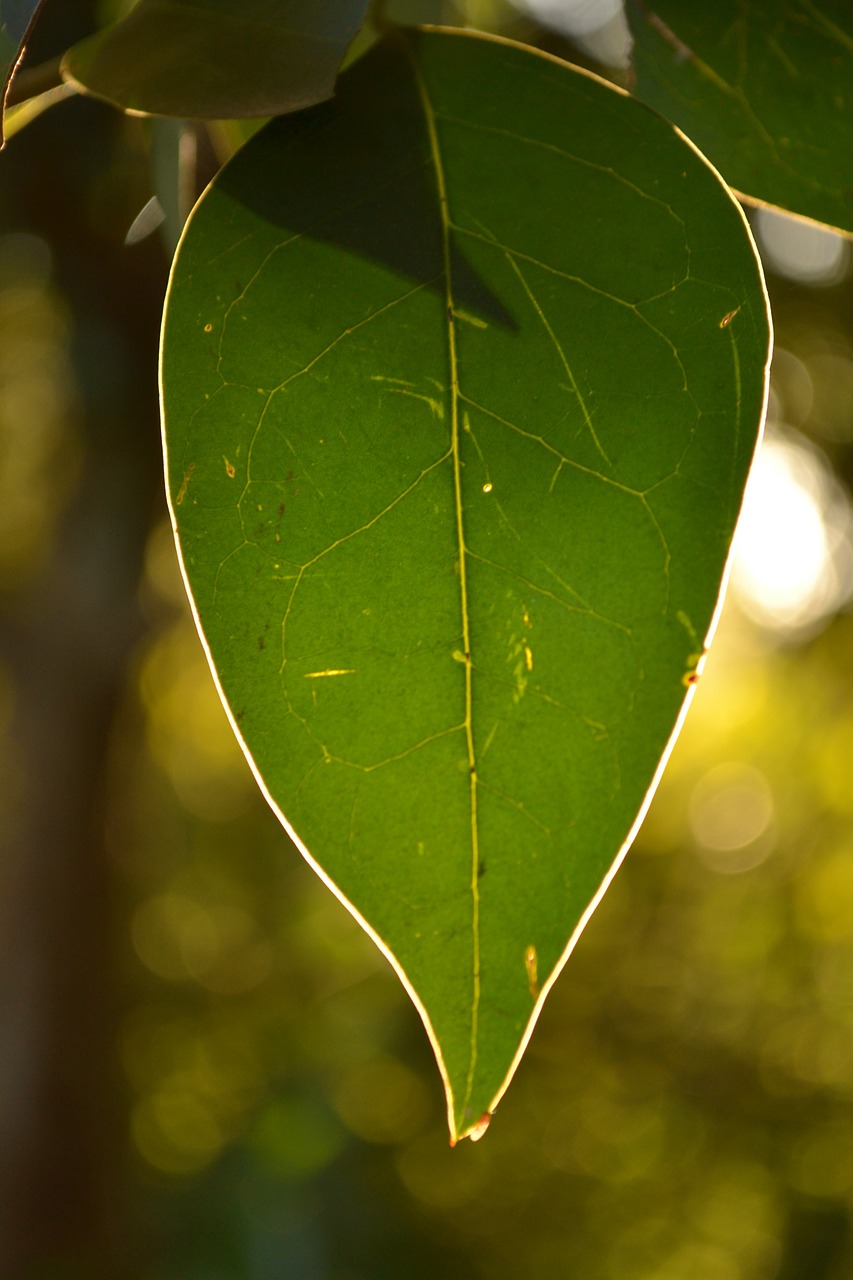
(598,26)
(800,250)
(793,562)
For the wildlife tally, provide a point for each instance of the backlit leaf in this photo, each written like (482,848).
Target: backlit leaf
(765,89)
(462,376)
(216,59)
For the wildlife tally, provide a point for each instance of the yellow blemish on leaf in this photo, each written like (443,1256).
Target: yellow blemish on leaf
(728,318)
(469,319)
(230,469)
(490,739)
(402,387)
(340,671)
(531,964)
(435,406)
(528,657)
(688,625)
(487,488)
(208,328)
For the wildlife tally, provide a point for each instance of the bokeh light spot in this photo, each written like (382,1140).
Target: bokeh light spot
(177,937)
(597,26)
(382,1100)
(731,808)
(175,1131)
(440,1178)
(820,1163)
(296,1137)
(792,557)
(188,731)
(800,250)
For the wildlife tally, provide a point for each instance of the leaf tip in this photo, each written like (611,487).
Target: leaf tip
(476,1130)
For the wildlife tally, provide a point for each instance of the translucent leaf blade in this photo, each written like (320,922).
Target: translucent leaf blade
(462,377)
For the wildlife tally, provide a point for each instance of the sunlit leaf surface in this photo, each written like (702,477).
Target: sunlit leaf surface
(16,19)
(462,376)
(765,89)
(216,59)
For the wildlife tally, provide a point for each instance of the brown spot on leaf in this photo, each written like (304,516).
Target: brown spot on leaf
(182,492)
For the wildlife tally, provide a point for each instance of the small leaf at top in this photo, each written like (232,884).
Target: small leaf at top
(16,22)
(215,59)
(462,376)
(765,89)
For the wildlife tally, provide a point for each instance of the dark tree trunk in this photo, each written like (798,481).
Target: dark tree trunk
(67,639)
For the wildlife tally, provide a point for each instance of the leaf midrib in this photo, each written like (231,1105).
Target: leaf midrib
(441,188)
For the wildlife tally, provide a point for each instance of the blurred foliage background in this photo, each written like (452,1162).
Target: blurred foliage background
(206,1071)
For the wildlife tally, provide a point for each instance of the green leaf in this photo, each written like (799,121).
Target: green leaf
(215,59)
(462,376)
(16,21)
(765,89)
